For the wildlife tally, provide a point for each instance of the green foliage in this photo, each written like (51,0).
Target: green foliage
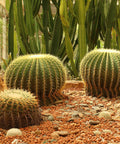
(18,108)
(100,72)
(5,62)
(41,74)
(73,29)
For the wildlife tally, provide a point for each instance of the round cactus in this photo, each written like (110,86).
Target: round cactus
(18,109)
(100,71)
(41,74)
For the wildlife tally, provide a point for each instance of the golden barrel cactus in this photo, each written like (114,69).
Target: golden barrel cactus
(18,109)
(100,71)
(41,74)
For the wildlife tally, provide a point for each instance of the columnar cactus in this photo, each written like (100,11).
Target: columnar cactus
(41,74)
(100,71)
(18,109)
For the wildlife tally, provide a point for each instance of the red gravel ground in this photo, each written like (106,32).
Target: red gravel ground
(68,128)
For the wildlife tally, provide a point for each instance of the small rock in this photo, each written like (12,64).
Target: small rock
(59,101)
(14,132)
(51,118)
(117,117)
(91,122)
(46,112)
(81,115)
(97,132)
(70,120)
(84,105)
(97,109)
(75,114)
(107,131)
(56,128)
(105,114)
(91,102)
(100,105)
(108,104)
(63,133)
(59,117)
(17,141)
(65,113)
(55,134)
(87,113)
(70,106)
(104,100)
(117,106)
(75,131)
(66,101)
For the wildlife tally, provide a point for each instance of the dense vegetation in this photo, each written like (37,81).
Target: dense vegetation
(69,32)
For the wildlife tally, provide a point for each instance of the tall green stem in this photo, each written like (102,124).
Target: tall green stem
(82,46)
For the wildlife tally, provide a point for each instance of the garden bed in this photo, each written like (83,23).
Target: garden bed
(74,120)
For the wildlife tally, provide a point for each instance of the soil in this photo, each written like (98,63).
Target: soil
(75,120)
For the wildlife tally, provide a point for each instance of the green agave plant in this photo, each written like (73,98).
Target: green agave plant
(41,74)
(18,108)
(100,71)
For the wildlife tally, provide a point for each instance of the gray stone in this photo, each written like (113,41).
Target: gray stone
(55,134)
(91,122)
(107,131)
(83,105)
(100,105)
(97,132)
(51,118)
(17,141)
(96,108)
(70,106)
(87,113)
(70,120)
(75,114)
(63,133)
(104,100)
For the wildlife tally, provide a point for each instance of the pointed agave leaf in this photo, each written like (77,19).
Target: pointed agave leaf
(16,51)
(56,36)
(7,4)
(36,7)
(45,5)
(80,12)
(11,29)
(63,13)
(111,17)
(22,27)
(22,48)
(69,50)
(29,17)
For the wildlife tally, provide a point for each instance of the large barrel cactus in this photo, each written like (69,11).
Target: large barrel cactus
(18,109)
(100,71)
(41,74)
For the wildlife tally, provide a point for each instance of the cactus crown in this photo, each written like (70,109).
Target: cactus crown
(41,74)
(17,101)
(18,108)
(100,71)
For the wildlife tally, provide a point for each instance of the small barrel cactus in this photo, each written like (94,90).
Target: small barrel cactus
(18,108)
(100,71)
(41,74)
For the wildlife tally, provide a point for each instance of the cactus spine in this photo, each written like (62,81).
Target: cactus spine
(18,108)
(100,71)
(41,74)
